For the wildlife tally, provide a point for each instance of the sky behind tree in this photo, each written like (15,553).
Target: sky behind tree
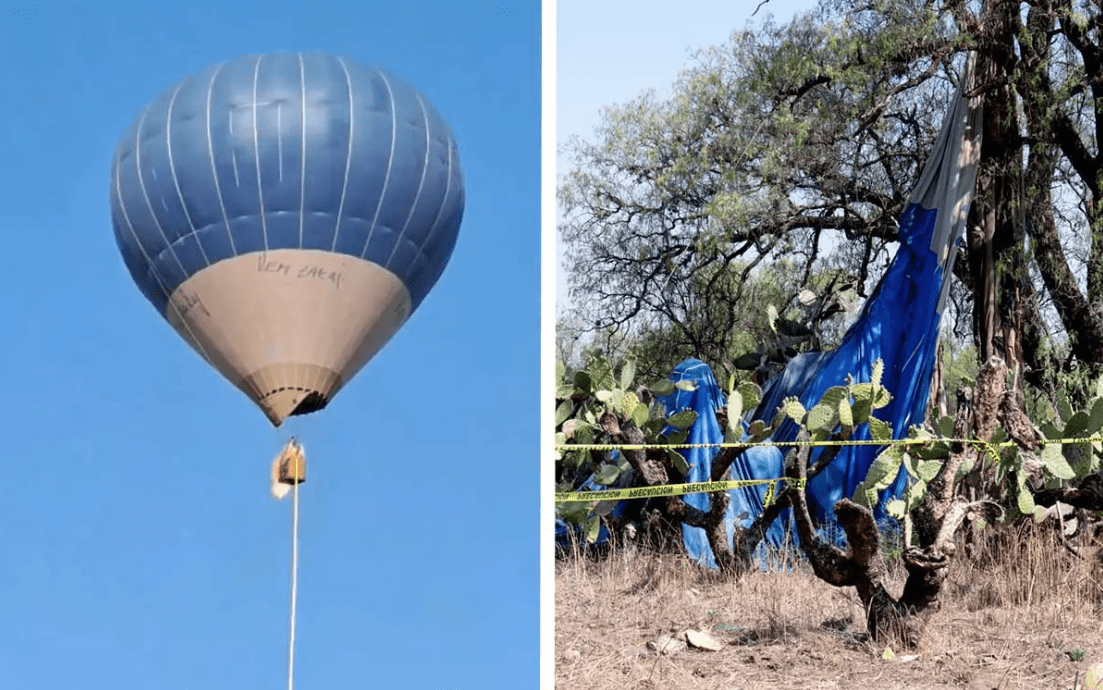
(610,51)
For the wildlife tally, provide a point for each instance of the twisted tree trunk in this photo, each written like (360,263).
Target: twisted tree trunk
(894,621)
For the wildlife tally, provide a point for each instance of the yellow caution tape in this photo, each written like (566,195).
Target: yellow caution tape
(671,490)
(708,487)
(980,445)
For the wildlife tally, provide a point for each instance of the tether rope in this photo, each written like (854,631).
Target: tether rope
(294,582)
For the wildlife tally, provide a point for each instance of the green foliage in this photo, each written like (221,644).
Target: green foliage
(1056,464)
(959,365)
(1073,461)
(842,409)
(881,474)
(805,321)
(583,397)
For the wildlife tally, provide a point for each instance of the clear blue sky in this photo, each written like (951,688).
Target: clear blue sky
(141,548)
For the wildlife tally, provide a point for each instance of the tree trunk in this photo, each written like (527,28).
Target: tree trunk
(995,238)
(891,621)
(1050,134)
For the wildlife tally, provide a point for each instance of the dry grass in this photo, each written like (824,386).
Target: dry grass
(1018,613)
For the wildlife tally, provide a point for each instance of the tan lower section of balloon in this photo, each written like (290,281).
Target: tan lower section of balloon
(289,327)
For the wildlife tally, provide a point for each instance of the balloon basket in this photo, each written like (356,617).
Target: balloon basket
(291,464)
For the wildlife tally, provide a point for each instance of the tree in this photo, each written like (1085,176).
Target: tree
(759,156)
(1060,81)
(750,337)
(802,141)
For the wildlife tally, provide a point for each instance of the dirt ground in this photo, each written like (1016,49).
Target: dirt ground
(1030,617)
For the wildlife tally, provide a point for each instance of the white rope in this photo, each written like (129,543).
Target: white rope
(294,582)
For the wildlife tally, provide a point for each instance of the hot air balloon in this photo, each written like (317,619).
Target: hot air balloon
(286,214)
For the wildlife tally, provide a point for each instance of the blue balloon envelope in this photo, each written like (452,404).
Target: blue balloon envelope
(286,214)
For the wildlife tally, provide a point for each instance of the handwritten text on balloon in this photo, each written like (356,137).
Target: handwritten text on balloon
(300,271)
